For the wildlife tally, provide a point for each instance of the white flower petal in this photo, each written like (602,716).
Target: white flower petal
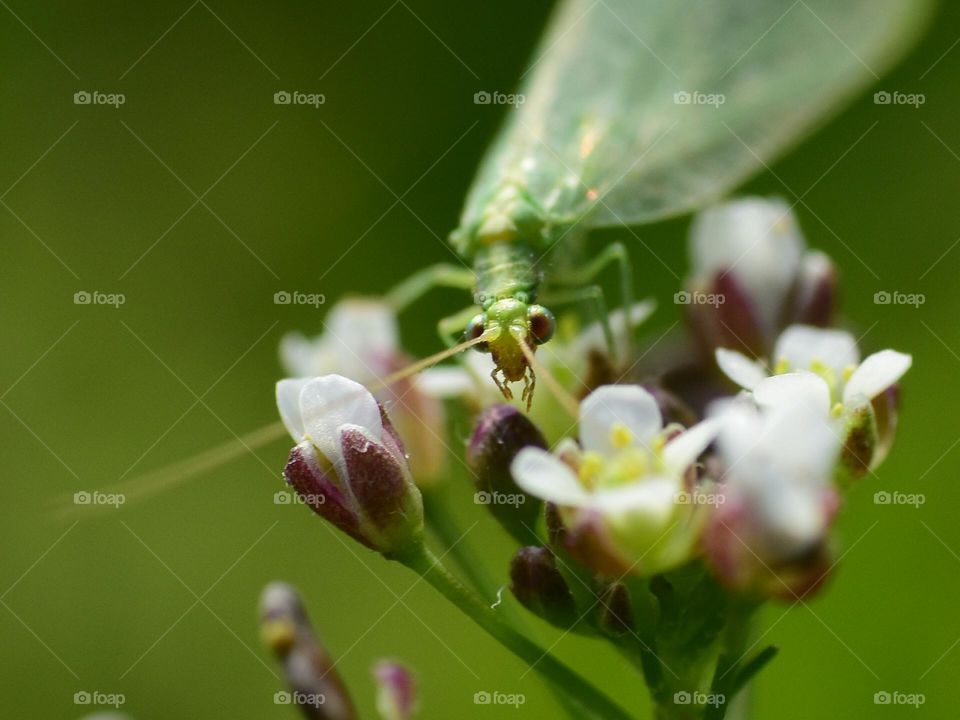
(654,499)
(445,382)
(330,402)
(794,389)
(802,345)
(593,338)
(758,240)
(875,374)
(683,450)
(303,357)
(738,367)
(790,516)
(606,407)
(542,475)
(288,403)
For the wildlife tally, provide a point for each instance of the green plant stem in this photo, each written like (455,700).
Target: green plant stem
(591,700)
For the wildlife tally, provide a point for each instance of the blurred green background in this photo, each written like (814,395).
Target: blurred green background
(156,600)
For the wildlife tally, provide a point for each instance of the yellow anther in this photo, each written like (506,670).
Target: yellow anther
(837,410)
(782,366)
(279,635)
(848,371)
(632,465)
(590,467)
(824,371)
(620,436)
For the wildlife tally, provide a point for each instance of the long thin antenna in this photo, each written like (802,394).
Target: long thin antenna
(568,401)
(423,364)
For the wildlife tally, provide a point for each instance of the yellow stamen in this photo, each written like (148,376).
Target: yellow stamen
(590,467)
(620,436)
(837,410)
(782,366)
(848,371)
(824,371)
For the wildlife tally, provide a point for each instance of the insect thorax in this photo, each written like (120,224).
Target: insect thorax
(505,270)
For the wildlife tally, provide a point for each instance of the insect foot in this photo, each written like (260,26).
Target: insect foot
(349,465)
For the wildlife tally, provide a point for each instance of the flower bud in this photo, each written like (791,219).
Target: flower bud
(309,672)
(501,432)
(350,467)
(396,691)
(615,613)
(752,276)
(539,586)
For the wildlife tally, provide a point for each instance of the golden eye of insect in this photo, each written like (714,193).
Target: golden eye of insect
(542,324)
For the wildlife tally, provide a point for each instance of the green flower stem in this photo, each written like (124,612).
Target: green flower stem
(591,700)
(439,517)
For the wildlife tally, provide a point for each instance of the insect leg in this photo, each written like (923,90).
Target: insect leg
(422,281)
(614,252)
(593,294)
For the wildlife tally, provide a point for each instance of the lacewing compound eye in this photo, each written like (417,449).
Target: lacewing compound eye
(474,330)
(542,324)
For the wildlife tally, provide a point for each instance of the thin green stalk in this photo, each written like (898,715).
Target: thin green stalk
(591,700)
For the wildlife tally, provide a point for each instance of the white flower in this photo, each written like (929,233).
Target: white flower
(817,367)
(779,501)
(360,340)
(758,241)
(629,477)
(349,465)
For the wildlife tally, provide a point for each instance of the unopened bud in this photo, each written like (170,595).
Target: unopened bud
(815,295)
(539,586)
(396,691)
(615,612)
(501,432)
(309,673)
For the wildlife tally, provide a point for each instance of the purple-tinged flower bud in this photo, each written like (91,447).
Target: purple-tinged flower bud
(396,690)
(815,293)
(752,276)
(350,466)
(539,586)
(768,533)
(501,432)
(315,687)
(615,614)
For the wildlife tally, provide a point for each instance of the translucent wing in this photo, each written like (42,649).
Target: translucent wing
(638,109)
